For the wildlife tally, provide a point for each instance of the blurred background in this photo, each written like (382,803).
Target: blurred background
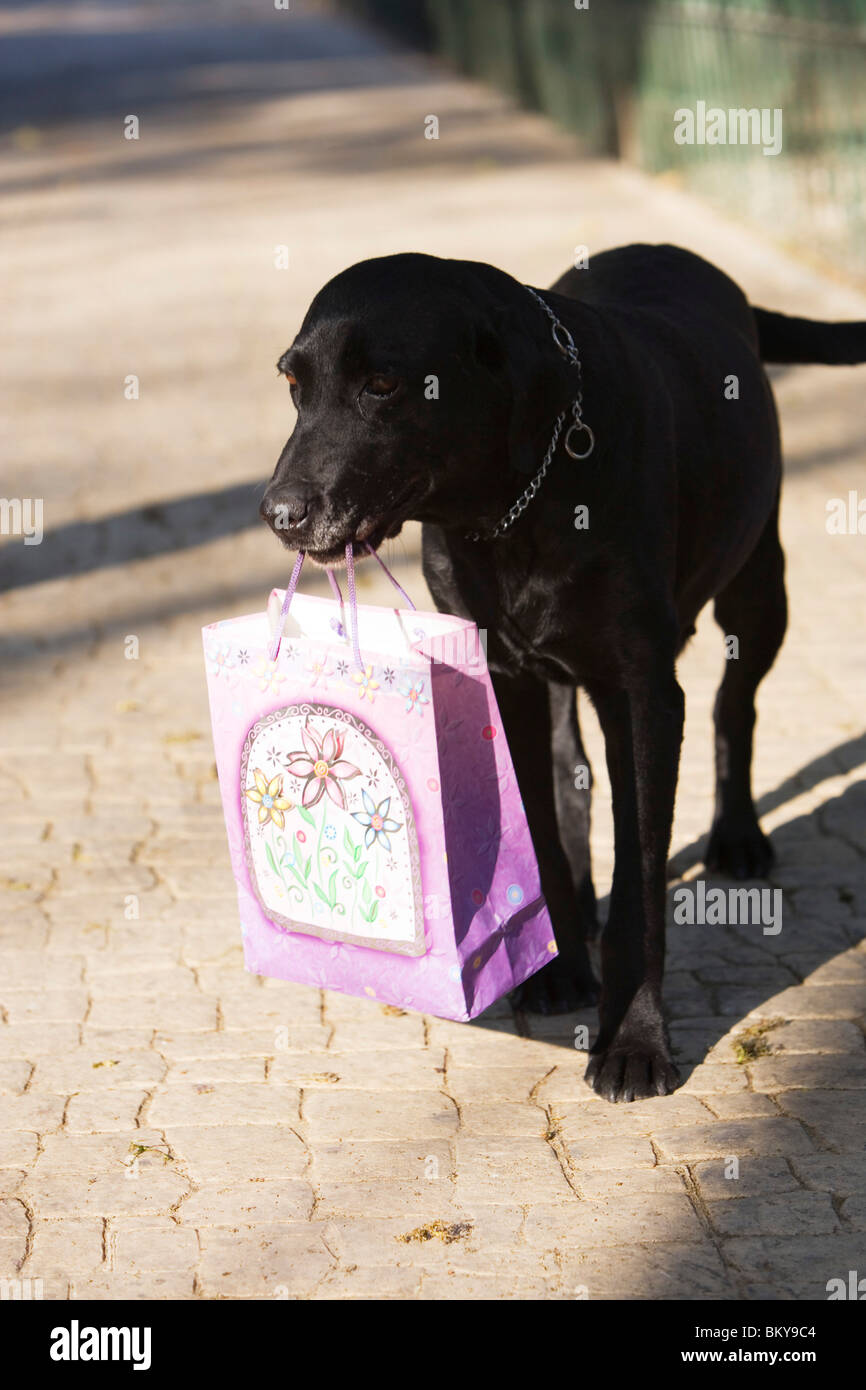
(615,77)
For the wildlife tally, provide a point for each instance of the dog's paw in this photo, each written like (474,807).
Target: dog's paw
(739,849)
(558,988)
(632,1073)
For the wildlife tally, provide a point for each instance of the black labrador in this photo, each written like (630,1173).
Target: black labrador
(592,464)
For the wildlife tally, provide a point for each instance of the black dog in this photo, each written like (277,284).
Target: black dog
(447,392)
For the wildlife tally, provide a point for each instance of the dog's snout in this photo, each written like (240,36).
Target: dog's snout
(286,511)
(294,508)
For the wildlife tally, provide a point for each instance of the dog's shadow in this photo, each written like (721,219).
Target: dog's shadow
(718,975)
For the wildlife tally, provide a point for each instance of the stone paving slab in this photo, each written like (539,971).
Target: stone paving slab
(171,1127)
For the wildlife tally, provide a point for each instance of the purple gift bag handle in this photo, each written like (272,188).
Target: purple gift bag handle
(353,601)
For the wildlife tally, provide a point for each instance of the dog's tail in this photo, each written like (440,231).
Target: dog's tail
(783,339)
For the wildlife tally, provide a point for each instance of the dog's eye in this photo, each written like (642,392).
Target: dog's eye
(381,385)
(291,378)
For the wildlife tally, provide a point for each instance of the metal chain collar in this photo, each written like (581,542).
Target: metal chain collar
(565,344)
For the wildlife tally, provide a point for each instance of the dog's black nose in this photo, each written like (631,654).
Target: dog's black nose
(285,511)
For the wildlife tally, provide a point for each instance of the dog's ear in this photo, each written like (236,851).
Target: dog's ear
(510,346)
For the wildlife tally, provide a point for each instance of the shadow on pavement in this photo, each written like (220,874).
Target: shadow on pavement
(147,57)
(748,968)
(158,528)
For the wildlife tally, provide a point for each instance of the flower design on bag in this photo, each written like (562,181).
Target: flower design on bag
(269,798)
(322,766)
(318,669)
(412,691)
(312,871)
(376,820)
(220,657)
(365,683)
(268,675)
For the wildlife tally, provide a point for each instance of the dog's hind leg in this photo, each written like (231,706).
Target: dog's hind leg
(753,609)
(567,982)
(572,781)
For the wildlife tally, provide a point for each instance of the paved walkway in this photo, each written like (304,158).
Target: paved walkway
(169,1126)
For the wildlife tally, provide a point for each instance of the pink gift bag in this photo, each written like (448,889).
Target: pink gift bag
(375,826)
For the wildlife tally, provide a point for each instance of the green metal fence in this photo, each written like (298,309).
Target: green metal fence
(617,71)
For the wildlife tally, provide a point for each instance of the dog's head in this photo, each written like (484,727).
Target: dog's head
(424,388)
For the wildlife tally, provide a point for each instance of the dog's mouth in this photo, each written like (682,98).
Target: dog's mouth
(369,532)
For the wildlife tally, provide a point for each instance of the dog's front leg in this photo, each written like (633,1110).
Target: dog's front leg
(642,726)
(567,982)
